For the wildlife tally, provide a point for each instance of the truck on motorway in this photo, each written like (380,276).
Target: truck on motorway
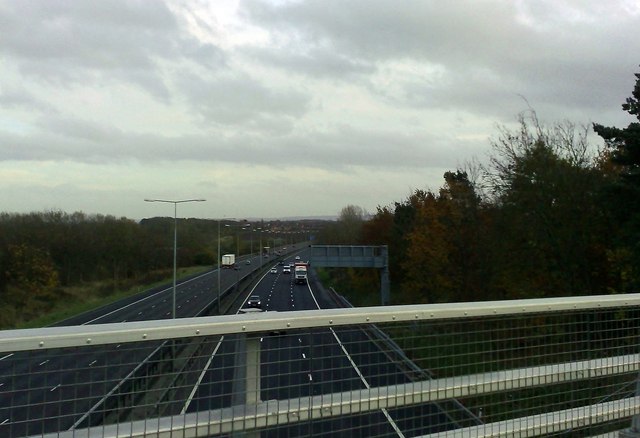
(300,273)
(228,261)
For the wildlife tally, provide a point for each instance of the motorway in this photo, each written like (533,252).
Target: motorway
(304,363)
(54,390)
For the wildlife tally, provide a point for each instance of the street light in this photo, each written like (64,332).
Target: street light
(252,231)
(175,239)
(220,262)
(237,239)
(260,248)
(219,270)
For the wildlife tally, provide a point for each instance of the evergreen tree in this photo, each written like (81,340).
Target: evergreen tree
(623,151)
(625,143)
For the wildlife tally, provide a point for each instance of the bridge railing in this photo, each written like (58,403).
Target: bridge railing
(544,367)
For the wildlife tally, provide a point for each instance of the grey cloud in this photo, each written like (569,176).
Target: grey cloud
(344,146)
(549,51)
(379,29)
(333,148)
(233,100)
(315,62)
(22,99)
(97,41)
(81,130)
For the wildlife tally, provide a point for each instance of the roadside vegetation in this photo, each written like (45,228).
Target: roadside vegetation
(549,215)
(54,265)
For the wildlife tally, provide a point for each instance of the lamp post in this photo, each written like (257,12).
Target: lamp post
(244,228)
(260,249)
(175,240)
(238,243)
(220,262)
(252,230)
(219,267)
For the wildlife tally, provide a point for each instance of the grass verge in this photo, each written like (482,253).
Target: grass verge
(79,299)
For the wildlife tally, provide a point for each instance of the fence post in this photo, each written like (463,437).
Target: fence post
(253,370)
(384,278)
(634,430)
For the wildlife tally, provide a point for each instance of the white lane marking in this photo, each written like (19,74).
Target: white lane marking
(42,363)
(92,363)
(366,384)
(304,356)
(310,378)
(205,369)
(151,296)
(8,355)
(5,421)
(200,377)
(54,388)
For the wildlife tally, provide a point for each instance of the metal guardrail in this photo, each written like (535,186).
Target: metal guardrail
(565,366)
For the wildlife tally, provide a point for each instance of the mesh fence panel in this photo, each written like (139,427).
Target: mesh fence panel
(420,377)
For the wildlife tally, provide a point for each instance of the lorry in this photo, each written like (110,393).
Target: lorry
(228,261)
(300,273)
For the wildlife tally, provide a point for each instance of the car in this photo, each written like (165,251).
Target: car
(281,263)
(297,258)
(286,270)
(254,301)
(274,270)
(246,310)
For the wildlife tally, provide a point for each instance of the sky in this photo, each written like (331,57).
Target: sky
(277,109)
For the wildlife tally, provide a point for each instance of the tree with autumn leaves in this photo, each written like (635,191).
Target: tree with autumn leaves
(32,282)
(549,216)
(443,246)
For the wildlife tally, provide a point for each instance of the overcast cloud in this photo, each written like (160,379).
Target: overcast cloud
(286,108)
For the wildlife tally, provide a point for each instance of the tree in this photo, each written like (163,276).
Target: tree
(551,232)
(444,259)
(625,143)
(347,230)
(623,152)
(32,278)
(350,223)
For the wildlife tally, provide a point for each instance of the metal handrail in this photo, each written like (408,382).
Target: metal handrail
(99,334)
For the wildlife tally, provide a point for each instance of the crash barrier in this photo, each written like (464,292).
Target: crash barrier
(542,367)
